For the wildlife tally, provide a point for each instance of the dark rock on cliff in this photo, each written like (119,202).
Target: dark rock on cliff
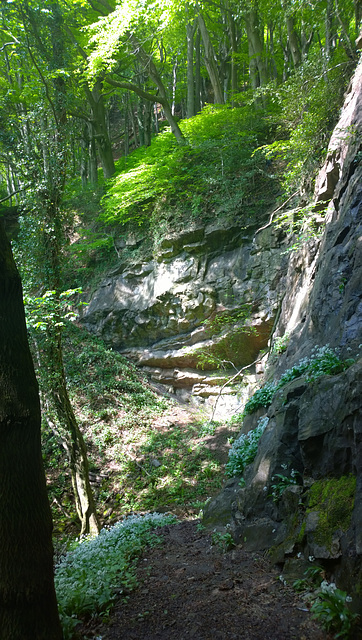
(315,426)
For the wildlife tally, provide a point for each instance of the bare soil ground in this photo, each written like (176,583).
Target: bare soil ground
(189,588)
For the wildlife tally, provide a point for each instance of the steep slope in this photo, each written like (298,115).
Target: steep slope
(314,422)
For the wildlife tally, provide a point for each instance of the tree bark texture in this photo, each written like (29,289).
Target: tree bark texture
(256,44)
(293,41)
(210,62)
(104,146)
(28,608)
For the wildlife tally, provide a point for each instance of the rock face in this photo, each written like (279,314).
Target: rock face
(315,427)
(155,311)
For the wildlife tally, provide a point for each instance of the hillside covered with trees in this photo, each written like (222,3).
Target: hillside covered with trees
(159,181)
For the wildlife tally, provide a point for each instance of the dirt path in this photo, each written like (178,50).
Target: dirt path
(191,589)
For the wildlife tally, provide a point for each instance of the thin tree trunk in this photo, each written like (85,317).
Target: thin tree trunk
(234,48)
(84,156)
(210,62)
(63,421)
(358,16)
(133,122)
(253,68)
(174,87)
(148,64)
(293,41)
(140,120)
(198,100)
(126,126)
(147,116)
(273,66)
(28,608)
(256,44)
(155,111)
(329,28)
(56,387)
(190,33)
(93,162)
(96,102)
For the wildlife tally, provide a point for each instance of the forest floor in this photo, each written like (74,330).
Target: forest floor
(189,587)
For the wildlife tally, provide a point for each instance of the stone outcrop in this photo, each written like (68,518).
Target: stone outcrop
(315,427)
(155,311)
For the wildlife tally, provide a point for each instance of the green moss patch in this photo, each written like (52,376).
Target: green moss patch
(333,499)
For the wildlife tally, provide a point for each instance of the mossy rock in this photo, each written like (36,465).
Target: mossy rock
(333,500)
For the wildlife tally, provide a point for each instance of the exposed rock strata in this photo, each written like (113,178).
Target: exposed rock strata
(155,312)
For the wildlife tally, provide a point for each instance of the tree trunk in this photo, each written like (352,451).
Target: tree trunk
(234,48)
(140,121)
(256,44)
(190,32)
(329,28)
(28,608)
(126,125)
(147,116)
(96,102)
(84,156)
(273,66)
(358,16)
(147,63)
(198,100)
(174,87)
(293,41)
(133,122)
(253,68)
(63,421)
(210,62)
(93,163)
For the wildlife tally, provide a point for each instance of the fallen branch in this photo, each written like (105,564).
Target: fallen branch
(234,377)
(274,212)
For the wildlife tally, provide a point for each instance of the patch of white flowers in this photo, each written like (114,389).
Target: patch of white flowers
(243,450)
(322,361)
(87,578)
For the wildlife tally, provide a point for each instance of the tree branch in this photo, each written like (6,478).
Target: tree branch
(104,4)
(11,195)
(133,87)
(274,212)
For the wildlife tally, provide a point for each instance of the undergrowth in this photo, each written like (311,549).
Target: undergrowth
(139,460)
(97,570)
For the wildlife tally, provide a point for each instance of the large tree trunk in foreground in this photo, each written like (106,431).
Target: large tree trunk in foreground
(28,609)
